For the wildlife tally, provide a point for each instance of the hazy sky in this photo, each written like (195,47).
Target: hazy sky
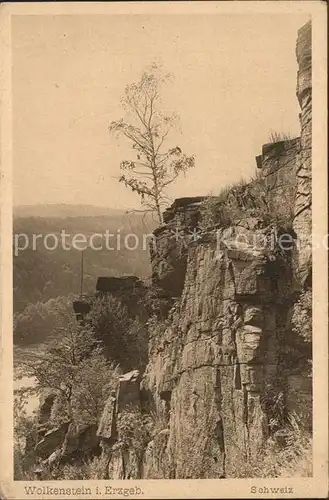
(234,81)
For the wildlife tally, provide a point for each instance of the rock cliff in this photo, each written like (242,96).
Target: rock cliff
(219,361)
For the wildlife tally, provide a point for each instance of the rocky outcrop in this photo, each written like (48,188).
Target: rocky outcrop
(217,364)
(46,403)
(67,441)
(214,366)
(120,430)
(119,286)
(81,440)
(218,344)
(219,327)
(52,440)
(81,308)
(129,290)
(303,203)
(278,163)
(107,425)
(169,249)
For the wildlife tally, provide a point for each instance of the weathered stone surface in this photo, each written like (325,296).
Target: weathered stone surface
(128,392)
(279,163)
(116,468)
(80,439)
(303,205)
(212,356)
(129,290)
(106,428)
(253,315)
(169,261)
(52,440)
(195,441)
(219,357)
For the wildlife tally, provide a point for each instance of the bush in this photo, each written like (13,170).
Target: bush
(212,213)
(279,136)
(302,316)
(242,200)
(94,468)
(124,337)
(298,346)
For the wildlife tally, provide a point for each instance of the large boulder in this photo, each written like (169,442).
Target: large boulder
(52,440)
(128,393)
(129,290)
(46,402)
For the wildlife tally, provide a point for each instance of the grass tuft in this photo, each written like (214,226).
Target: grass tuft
(279,136)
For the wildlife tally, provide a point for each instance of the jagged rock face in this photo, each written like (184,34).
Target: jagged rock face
(66,441)
(130,290)
(219,356)
(80,439)
(279,165)
(51,441)
(303,203)
(218,366)
(46,403)
(156,457)
(121,461)
(216,361)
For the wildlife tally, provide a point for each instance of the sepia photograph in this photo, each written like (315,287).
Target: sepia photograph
(165,317)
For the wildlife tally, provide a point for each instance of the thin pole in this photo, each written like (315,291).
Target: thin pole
(81,276)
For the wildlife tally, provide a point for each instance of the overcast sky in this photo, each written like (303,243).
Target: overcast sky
(234,81)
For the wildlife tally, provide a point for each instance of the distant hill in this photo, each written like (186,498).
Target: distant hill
(40,275)
(64,210)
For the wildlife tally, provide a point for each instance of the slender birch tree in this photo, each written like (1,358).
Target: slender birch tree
(155,165)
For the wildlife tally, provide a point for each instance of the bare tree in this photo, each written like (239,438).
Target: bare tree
(156,165)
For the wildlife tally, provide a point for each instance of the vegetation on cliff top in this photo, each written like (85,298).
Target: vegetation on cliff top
(246,198)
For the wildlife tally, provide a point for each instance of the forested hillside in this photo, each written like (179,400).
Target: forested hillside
(41,274)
